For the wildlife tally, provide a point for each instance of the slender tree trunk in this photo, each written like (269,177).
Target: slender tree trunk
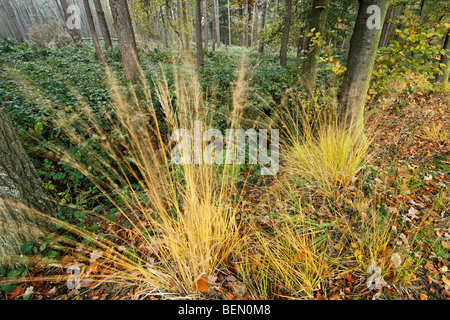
(255,26)
(247,18)
(12,21)
(318,20)
(286,31)
(205,18)
(361,57)
(127,40)
(213,30)
(263,25)
(217,21)
(185,25)
(74,33)
(384,39)
(252,33)
(22,196)
(229,23)
(165,32)
(90,20)
(103,24)
(445,59)
(198,31)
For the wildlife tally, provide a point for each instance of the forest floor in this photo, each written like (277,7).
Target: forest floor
(413,165)
(407,179)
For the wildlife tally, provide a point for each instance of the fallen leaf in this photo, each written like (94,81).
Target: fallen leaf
(445,244)
(202,285)
(446,281)
(423,296)
(17,292)
(430,267)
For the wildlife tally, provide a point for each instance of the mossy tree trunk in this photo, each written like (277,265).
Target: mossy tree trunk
(23,198)
(445,60)
(361,57)
(317,22)
(286,30)
(126,37)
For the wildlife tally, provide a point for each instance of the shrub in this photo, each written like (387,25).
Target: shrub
(50,36)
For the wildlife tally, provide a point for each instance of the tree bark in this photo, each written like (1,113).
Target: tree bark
(445,59)
(205,18)
(229,23)
(198,31)
(361,57)
(185,25)
(255,26)
(74,33)
(263,25)
(247,18)
(21,195)
(286,31)
(384,39)
(217,21)
(103,24)
(127,40)
(90,20)
(318,21)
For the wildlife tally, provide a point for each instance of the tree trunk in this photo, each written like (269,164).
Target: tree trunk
(127,40)
(90,20)
(217,21)
(165,32)
(255,26)
(21,195)
(361,57)
(185,25)
(247,18)
(74,33)
(317,21)
(445,59)
(198,31)
(103,24)
(263,25)
(205,18)
(12,21)
(384,39)
(286,30)
(229,23)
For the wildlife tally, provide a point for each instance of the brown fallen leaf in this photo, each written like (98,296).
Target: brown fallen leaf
(423,296)
(430,267)
(445,244)
(445,293)
(16,292)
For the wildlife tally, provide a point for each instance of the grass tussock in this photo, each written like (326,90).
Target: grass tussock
(328,156)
